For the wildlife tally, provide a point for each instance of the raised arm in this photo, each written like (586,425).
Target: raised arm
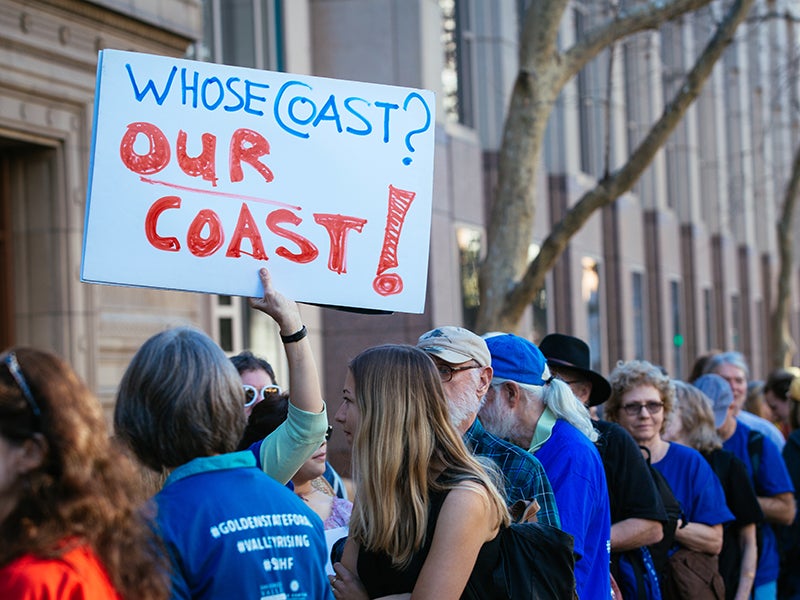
(303,377)
(296,439)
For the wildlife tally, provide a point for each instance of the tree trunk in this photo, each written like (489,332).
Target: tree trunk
(783,345)
(506,291)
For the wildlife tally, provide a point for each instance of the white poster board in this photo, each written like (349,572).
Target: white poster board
(202,173)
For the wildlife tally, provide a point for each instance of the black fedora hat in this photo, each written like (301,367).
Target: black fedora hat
(567,351)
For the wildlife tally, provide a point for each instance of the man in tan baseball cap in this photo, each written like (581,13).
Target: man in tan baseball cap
(464,364)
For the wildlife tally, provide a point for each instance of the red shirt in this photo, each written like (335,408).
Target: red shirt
(76,575)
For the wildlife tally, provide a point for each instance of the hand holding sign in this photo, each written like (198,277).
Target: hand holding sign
(276,305)
(303,376)
(202,172)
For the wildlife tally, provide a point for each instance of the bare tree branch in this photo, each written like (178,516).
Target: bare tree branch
(768,16)
(610,188)
(628,21)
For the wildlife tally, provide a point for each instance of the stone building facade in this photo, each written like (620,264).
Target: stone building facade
(683,264)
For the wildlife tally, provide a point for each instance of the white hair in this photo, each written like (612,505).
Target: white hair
(558,397)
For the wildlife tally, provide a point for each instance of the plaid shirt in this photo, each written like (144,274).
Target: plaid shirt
(523,474)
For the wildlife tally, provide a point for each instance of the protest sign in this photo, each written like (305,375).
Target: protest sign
(202,173)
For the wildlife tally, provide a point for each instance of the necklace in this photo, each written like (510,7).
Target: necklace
(319,484)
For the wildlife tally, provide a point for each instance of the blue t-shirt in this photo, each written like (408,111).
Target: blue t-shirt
(576,473)
(234,532)
(763,426)
(695,486)
(771,479)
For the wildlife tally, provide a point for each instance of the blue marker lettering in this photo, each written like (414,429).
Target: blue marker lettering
(303,101)
(248,95)
(151,87)
(229,85)
(330,106)
(387,107)
(192,88)
(276,109)
(367,125)
(220,93)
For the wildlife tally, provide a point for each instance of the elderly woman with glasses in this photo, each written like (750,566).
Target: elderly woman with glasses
(641,400)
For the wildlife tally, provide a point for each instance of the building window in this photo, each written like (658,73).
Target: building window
(708,313)
(469,251)
(594,117)
(763,325)
(227,323)
(539,304)
(226,334)
(539,311)
(450,71)
(736,319)
(677,334)
(590,293)
(245,33)
(639,316)
(458,37)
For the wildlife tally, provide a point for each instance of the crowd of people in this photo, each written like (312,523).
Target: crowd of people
(666,488)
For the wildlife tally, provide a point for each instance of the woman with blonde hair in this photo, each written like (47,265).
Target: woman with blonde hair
(693,424)
(427,513)
(72,509)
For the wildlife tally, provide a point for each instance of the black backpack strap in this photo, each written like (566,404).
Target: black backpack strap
(755,446)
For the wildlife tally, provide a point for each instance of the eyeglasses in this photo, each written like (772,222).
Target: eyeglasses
(328,432)
(16,372)
(446,371)
(634,408)
(253,395)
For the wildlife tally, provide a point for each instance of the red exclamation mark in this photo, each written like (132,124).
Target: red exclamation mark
(384,283)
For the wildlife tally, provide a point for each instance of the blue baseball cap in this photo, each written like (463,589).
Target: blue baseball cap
(517,359)
(718,391)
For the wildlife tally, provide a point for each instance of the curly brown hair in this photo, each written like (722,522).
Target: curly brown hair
(86,490)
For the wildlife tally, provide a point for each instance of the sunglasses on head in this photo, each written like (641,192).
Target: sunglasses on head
(253,394)
(10,361)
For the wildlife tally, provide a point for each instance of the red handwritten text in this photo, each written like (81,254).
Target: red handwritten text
(387,284)
(247,146)
(205,235)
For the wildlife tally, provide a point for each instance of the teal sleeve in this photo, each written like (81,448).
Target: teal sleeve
(293,442)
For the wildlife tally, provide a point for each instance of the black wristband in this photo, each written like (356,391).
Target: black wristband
(295,337)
